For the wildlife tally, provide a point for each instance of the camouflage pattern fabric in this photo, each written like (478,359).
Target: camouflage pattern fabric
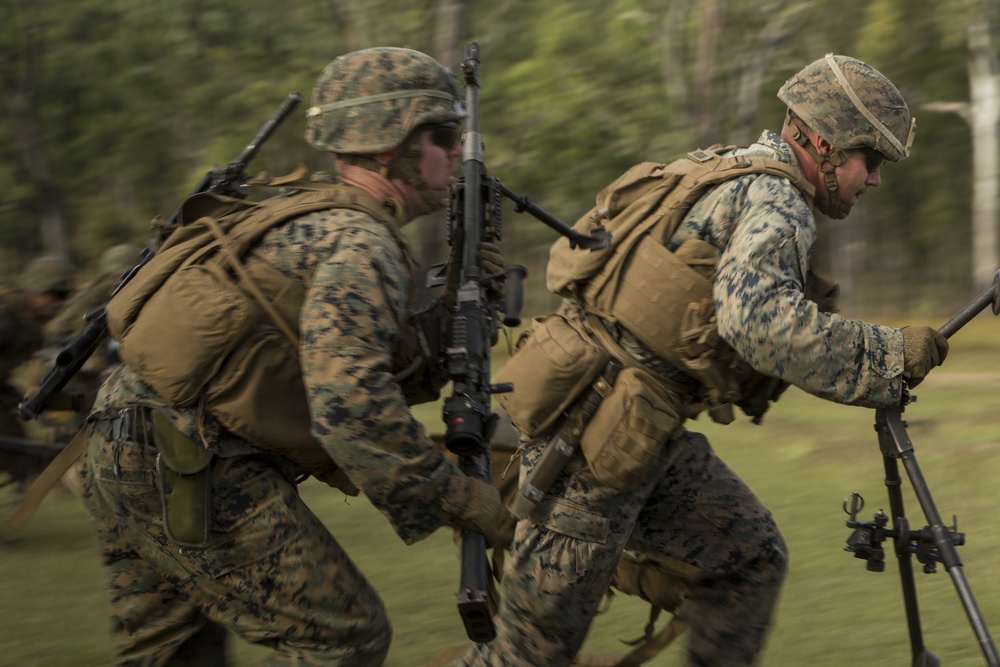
(20,337)
(767,233)
(272,572)
(283,580)
(851,104)
(691,509)
(20,332)
(370,100)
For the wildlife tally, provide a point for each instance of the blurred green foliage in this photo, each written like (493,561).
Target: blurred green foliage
(126,104)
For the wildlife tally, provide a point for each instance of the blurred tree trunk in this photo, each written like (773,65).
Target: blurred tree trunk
(23,42)
(448,26)
(709,19)
(982,113)
(52,226)
(984,88)
(446,21)
(780,25)
(350,16)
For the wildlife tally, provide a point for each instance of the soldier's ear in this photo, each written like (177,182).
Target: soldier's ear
(823,147)
(385,158)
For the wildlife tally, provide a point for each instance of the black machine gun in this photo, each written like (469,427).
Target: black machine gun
(228,180)
(933,544)
(472,328)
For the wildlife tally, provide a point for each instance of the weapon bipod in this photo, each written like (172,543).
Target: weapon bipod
(936,543)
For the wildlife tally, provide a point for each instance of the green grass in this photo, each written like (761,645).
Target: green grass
(805,458)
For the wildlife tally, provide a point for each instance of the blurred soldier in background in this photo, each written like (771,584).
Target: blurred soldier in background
(194,502)
(59,426)
(640,484)
(24,309)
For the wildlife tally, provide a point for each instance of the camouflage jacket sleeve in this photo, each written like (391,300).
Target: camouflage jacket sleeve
(349,328)
(763,315)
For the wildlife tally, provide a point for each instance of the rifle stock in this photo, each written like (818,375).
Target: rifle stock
(226,180)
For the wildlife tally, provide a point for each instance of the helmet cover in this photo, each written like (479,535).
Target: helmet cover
(851,105)
(369,101)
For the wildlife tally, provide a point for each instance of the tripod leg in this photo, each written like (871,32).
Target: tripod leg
(895,444)
(949,557)
(894,484)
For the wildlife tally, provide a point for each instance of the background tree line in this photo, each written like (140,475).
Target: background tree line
(113,110)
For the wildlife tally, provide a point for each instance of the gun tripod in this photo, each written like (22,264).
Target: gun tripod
(935,543)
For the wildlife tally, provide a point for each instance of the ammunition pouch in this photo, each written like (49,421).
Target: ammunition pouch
(629,429)
(185,474)
(554,363)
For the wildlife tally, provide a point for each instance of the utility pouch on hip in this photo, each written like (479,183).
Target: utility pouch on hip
(562,446)
(554,363)
(627,433)
(185,476)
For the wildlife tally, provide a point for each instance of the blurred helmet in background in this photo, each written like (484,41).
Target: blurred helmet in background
(48,274)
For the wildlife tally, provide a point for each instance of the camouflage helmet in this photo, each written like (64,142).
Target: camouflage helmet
(851,105)
(118,259)
(48,274)
(370,100)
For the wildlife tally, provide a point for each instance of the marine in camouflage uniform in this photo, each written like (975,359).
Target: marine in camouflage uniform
(59,426)
(271,572)
(38,296)
(690,511)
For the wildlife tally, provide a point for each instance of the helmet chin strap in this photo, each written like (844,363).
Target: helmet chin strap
(406,168)
(835,207)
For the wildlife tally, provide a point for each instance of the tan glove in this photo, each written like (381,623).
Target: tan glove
(493,268)
(490,259)
(923,349)
(481,513)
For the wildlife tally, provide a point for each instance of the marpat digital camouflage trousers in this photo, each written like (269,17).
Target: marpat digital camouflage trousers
(690,508)
(272,572)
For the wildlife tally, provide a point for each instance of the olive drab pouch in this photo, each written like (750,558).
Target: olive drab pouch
(185,472)
(553,364)
(628,432)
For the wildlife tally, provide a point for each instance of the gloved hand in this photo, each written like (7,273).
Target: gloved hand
(481,513)
(490,259)
(493,267)
(923,349)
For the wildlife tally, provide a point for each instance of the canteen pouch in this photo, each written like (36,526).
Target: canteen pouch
(185,484)
(629,430)
(553,364)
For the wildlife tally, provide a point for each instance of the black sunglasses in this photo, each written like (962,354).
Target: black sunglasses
(873,159)
(444,135)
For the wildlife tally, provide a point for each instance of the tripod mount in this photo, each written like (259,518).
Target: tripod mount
(933,544)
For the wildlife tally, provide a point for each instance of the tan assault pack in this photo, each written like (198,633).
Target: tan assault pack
(206,321)
(664,297)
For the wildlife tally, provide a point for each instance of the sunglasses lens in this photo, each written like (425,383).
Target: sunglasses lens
(873,159)
(445,136)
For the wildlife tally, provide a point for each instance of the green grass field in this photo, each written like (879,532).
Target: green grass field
(805,458)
